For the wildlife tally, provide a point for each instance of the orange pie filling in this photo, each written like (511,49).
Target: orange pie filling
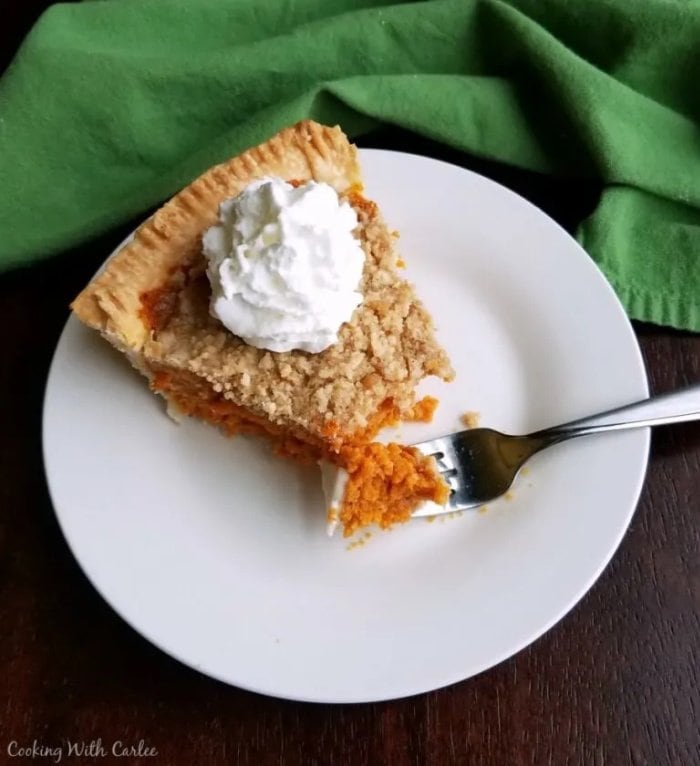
(385,484)
(194,397)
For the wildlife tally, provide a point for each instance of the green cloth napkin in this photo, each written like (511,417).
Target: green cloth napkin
(112,105)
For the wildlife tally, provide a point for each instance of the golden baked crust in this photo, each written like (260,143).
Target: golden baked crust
(152,301)
(111,302)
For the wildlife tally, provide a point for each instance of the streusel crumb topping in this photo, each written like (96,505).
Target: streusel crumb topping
(381,354)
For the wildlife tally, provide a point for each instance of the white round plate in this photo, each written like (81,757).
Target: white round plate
(216,551)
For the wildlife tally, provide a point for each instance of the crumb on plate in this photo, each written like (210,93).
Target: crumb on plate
(470,419)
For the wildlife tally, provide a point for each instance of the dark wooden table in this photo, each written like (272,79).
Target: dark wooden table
(616,682)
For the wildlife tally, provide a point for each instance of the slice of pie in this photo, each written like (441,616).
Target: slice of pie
(152,302)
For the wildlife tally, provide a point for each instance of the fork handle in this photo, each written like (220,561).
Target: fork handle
(674,407)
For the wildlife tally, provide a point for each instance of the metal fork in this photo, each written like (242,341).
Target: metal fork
(480,464)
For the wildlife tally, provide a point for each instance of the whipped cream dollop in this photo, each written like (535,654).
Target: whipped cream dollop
(284,266)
